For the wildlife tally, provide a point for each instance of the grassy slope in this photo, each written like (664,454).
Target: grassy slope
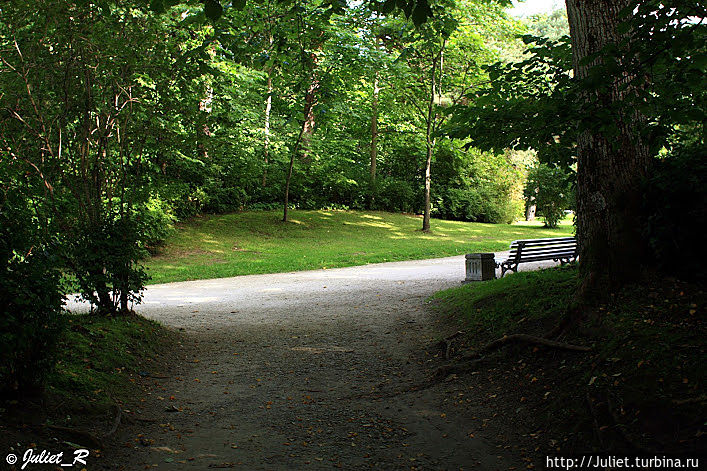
(100,366)
(648,351)
(258,242)
(99,358)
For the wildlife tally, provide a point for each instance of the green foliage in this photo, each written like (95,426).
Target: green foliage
(675,198)
(536,103)
(527,104)
(104,261)
(30,294)
(399,195)
(86,93)
(551,189)
(155,222)
(477,186)
(552,25)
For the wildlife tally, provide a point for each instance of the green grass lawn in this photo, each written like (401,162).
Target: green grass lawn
(259,242)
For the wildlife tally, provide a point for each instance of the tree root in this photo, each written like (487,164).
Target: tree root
(595,420)
(531,339)
(474,358)
(446,343)
(87,438)
(82,436)
(691,400)
(622,429)
(116,421)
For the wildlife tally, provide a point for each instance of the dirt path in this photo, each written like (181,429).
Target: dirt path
(308,370)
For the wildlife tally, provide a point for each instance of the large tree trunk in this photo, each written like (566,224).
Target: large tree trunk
(609,170)
(374,142)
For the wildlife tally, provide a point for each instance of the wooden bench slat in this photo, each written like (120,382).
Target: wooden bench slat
(542,250)
(533,243)
(551,257)
(535,250)
(544,247)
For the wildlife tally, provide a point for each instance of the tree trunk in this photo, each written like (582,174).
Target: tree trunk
(530,212)
(430,144)
(266,150)
(294,152)
(374,142)
(308,129)
(609,170)
(202,129)
(286,201)
(428,182)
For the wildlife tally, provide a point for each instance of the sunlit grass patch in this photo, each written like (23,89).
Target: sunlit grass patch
(259,242)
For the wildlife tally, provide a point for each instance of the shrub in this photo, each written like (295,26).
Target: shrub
(459,204)
(551,190)
(157,222)
(104,259)
(30,298)
(675,200)
(487,204)
(398,195)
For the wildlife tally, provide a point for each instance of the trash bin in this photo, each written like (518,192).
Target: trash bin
(480,267)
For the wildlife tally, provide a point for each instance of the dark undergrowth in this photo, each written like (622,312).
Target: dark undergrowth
(641,387)
(100,357)
(100,361)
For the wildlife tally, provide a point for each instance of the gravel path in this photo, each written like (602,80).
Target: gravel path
(309,370)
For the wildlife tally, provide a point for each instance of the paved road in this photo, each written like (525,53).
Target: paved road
(309,370)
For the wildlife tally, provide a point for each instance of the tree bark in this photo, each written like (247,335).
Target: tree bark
(609,170)
(308,129)
(530,212)
(266,150)
(374,142)
(430,142)
(294,152)
(202,129)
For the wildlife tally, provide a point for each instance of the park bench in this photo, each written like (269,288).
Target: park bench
(562,249)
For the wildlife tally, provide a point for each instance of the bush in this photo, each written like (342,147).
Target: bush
(458,204)
(675,200)
(551,190)
(30,298)
(398,195)
(104,260)
(468,204)
(157,222)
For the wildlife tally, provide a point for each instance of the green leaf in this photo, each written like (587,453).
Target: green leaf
(157,6)
(421,12)
(387,7)
(213,9)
